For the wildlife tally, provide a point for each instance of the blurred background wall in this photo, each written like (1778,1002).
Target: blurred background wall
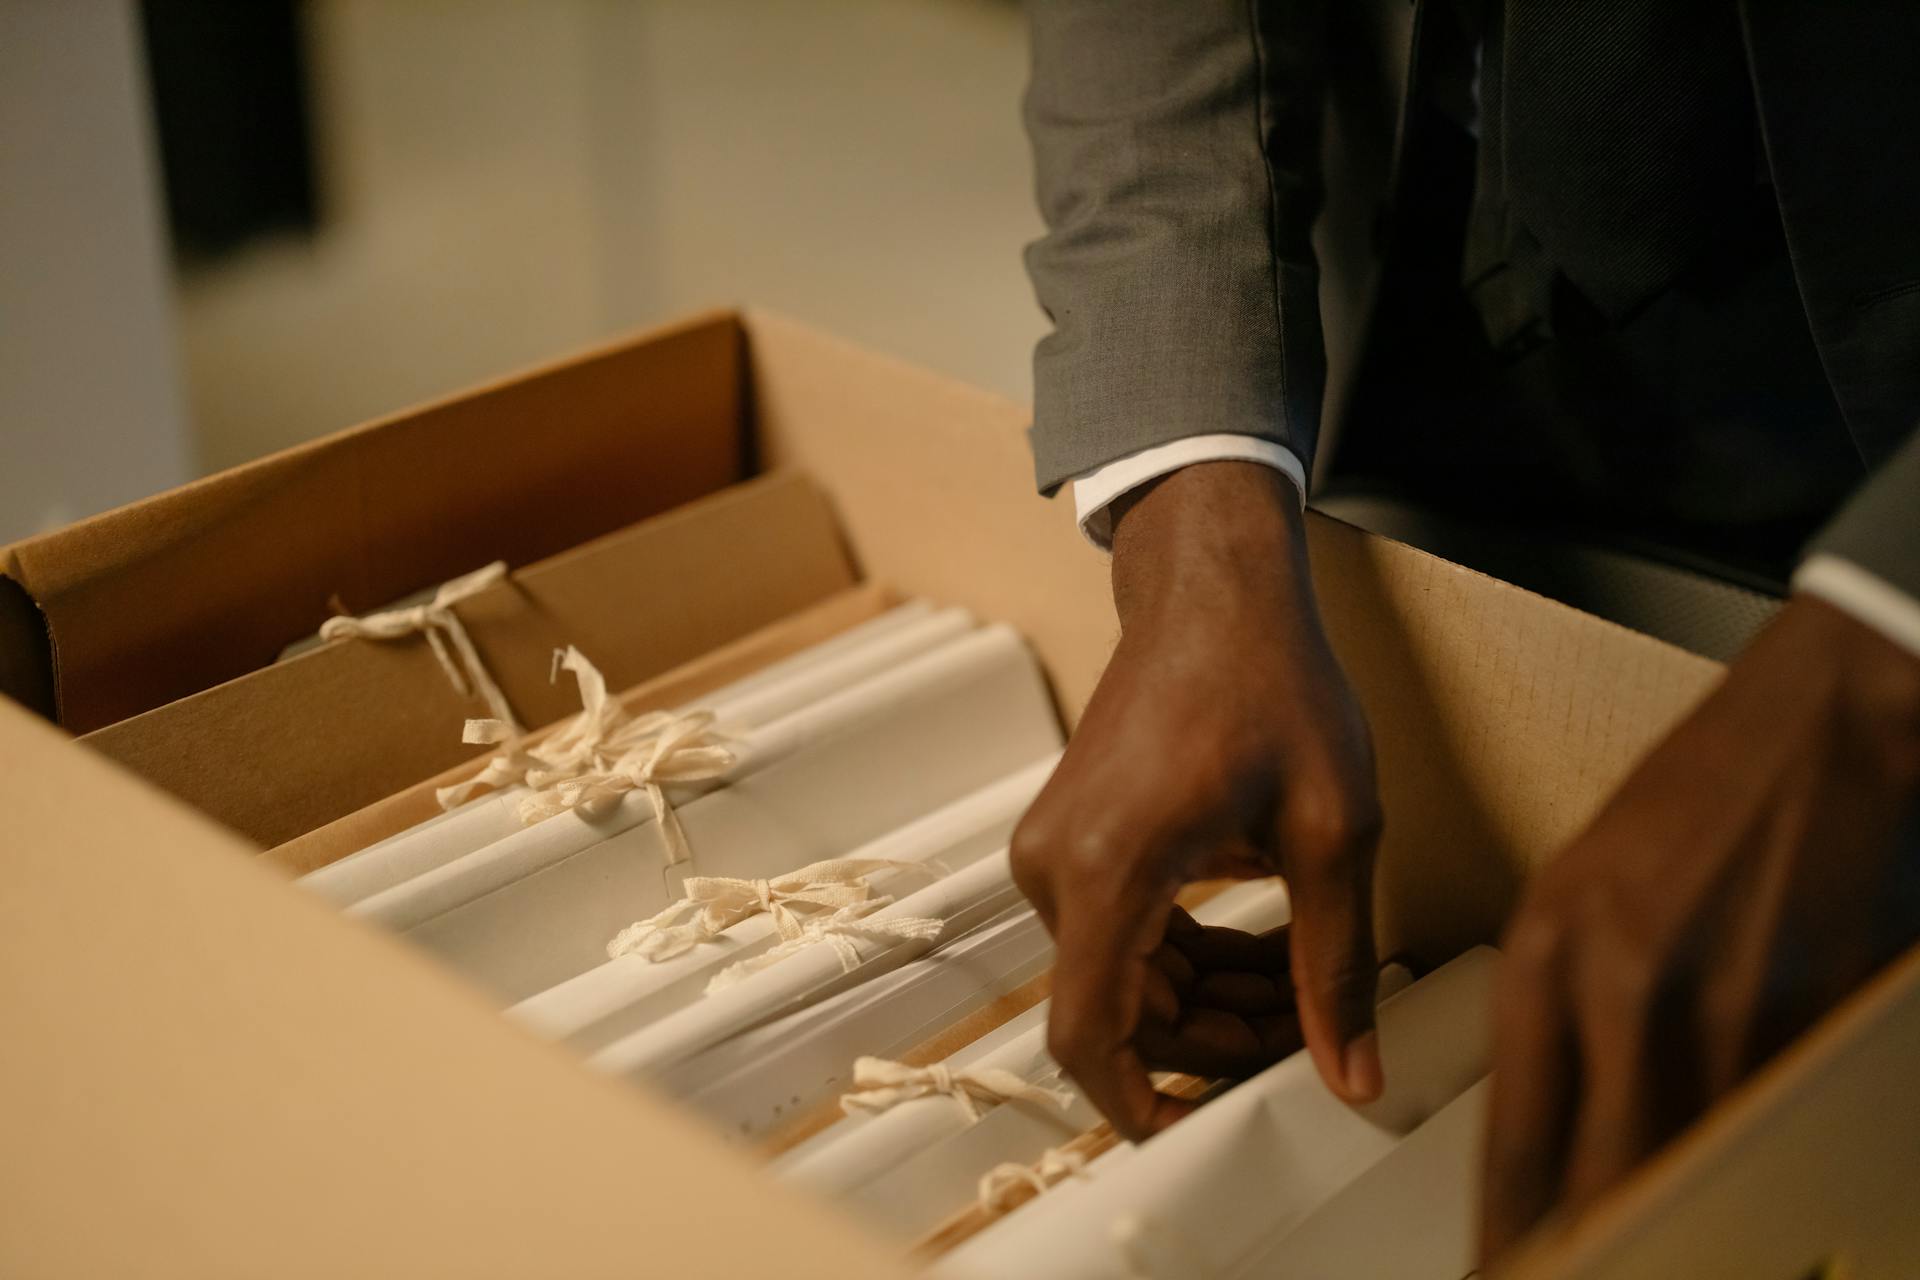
(91,411)
(494,182)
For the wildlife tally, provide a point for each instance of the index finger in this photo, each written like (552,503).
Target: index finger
(1103,941)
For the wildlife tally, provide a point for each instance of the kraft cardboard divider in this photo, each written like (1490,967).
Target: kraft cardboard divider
(176,593)
(414,805)
(280,751)
(260,1085)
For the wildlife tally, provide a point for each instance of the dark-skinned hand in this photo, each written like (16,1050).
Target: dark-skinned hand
(1746,877)
(1222,740)
(1218,1002)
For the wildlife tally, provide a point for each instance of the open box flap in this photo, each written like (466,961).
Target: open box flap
(207,1073)
(178,592)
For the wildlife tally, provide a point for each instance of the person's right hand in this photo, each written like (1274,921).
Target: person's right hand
(1222,741)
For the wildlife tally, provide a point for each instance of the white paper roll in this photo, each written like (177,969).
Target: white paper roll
(906,1170)
(1413,1215)
(967,900)
(539,907)
(756,1080)
(777,690)
(621,996)
(1251,1165)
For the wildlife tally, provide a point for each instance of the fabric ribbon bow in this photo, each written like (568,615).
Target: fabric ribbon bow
(444,631)
(881,1084)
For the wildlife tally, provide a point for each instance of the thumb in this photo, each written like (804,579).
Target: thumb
(1334,970)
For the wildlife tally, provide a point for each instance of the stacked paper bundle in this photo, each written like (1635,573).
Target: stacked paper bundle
(788,903)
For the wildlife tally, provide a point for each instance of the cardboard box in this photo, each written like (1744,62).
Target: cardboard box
(277,752)
(206,1073)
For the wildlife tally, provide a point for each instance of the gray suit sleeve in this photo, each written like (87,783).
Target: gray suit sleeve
(1879,528)
(1176,149)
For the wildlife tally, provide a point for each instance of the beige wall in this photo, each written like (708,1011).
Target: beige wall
(507,180)
(90,402)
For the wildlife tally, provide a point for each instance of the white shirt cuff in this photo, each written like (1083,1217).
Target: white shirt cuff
(1869,598)
(1095,492)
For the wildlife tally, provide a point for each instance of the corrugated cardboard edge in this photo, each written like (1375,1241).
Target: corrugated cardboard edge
(688,681)
(282,750)
(199,1081)
(1763,1186)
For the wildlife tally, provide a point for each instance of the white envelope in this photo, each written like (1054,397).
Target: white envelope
(776,690)
(624,994)
(907,1169)
(534,909)
(1253,1164)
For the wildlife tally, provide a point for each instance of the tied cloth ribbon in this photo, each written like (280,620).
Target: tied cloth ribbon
(1055,1164)
(881,1084)
(715,904)
(444,631)
(844,930)
(599,755)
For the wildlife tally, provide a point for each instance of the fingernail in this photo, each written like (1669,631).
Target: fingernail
(1360,1067)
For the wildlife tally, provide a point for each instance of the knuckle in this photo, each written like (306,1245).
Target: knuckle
(1332,824)
(1029,850)
(1091,848)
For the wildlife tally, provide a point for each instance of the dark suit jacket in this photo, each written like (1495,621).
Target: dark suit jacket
(1178,147)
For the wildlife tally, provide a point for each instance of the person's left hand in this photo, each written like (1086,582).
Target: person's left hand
(1748,875)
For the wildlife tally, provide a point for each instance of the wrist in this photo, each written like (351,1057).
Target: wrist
(1213,540)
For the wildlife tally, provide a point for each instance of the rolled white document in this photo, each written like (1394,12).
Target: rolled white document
(756,1080)
(631,991)
(906,1170)
(777,690)
(1254,1163)
(968,900)
(540,906)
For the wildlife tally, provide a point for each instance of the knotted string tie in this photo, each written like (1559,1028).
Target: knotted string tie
(1055,1164)
(599,755)
(448,636)
(843,930)
(714,904)
(881,1084)
(668,749)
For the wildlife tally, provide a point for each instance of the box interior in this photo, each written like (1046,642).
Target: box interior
(234,1073)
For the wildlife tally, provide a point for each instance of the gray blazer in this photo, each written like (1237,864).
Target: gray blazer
(1177,146)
